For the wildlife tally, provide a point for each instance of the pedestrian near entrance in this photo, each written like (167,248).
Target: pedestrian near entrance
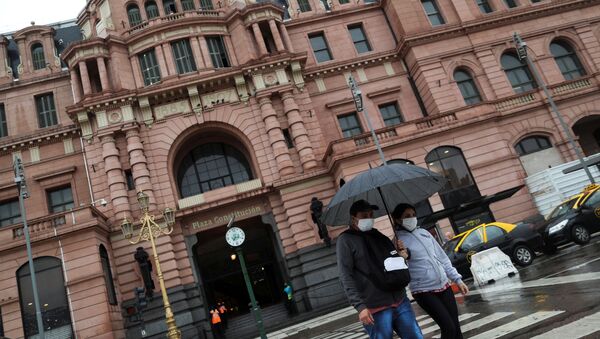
(223,314)
(216,323)
(430,271)
(289,298)
(378,294)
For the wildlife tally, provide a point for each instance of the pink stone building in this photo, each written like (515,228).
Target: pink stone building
(241,108)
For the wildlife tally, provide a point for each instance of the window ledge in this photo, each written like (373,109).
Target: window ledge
(383,91)
(59,172)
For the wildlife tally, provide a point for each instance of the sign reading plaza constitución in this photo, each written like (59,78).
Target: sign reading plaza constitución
(223,219)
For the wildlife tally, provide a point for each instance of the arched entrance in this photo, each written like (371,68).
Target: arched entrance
(587,129)
(221,273)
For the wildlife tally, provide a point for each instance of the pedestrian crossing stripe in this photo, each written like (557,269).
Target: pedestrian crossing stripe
(481,322)
(461,317)
(517,324)
(577,329)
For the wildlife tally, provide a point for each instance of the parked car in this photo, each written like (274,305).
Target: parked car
(576,219)
(520,242)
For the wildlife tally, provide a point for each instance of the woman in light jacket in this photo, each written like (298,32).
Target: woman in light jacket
(430,271)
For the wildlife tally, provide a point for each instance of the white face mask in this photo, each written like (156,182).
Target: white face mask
(365,224)
(410,224)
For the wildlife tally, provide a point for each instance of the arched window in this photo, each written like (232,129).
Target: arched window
(151,9)
(188,5)
(532,144)
(52,296)
(567,60)
(37,56)
(170,7)
(467,87)
(108,277)
(518,73)
(133,13)
(211,166)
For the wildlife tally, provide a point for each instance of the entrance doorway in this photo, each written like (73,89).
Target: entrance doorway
(221,273)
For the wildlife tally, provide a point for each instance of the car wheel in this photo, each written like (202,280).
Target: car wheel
(550,249)
(523,255)
(580,235)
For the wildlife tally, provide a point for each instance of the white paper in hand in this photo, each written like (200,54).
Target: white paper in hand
(394,263)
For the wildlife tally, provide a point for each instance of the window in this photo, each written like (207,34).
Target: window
(319,47)
(129,180)
(133,13)
(151,9)
(349,125)
(182,53)
(288,138)
(433,12)
(359,38)
(593,200)
(344,2)
(303,5)
(211,166)
(10,213)
(3,125)
(511,3)
(534,1)
(567,60)
(46,111)
(150,68)
(217,51)
(484,6)
(206,5)
(170,7)
(60,200)
(108,277)
(390,114)
(532,144)
(188,5)
(37,56)
(53,299)
(518,73)
(472,240)
(325,5)
(493,232)
(467,87)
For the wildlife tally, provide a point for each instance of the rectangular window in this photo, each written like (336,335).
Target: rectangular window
(511,3)
(303,5)
(344,2)
(359,38)
(217,51)
(206,5)
(46,110)
(188,5)
(150,68)
(349,124)
(320,47)
(60,200)
(184,59)
(3,125)
(390,114)
(433,12)
(484,6)
(10,213)
(129,180)
(288,138)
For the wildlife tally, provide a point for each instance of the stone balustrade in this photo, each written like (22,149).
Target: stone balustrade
(435,121)
(173,17)
(571,86)
(382,134)
(514,102)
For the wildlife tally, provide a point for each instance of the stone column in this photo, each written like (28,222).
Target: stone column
(169,59)
(3,56)
(138,162)
(276,36)
(115,179)
(298,131)
(103,74)
(276,139)
(286,37)
(195,45)
(204,51)
(137,71)
(85,78)
(262,48)
(24,56)
(75,85)
(164,70)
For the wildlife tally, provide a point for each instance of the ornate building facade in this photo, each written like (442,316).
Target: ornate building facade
(241,108)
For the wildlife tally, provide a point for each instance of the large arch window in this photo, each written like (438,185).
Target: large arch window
(170,7)
(211,166)
(37,56)
(53,299)
(467,87)
(108,277)
(151,9)
(567,60)
(133,14)
(532,144)
(518,73)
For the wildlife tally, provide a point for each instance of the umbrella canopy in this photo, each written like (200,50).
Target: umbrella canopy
(396,183)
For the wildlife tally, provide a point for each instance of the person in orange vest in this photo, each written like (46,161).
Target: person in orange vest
(222,313)
(215,323)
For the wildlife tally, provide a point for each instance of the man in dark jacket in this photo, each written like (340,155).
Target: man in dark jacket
(381,312)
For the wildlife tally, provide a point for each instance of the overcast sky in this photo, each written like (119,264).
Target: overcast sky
(17,14)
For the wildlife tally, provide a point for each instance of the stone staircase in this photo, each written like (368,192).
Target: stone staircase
(244,326)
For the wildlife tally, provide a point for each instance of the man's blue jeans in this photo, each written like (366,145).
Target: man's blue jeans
(399,319)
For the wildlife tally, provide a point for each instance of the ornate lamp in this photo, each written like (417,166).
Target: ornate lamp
(144,201)
(127,228)
(169,215)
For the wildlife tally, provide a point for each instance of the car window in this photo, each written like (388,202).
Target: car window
(593,200)
(451,245)
(473,239)
(493,232)
(562,209)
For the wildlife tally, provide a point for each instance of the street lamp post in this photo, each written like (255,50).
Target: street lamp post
(22,189)
(522,53)
(150,230)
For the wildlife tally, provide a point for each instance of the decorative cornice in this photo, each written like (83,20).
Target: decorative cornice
(42,137)
(48,175)
(346,65)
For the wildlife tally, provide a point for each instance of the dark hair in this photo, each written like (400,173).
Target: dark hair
(400,208)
